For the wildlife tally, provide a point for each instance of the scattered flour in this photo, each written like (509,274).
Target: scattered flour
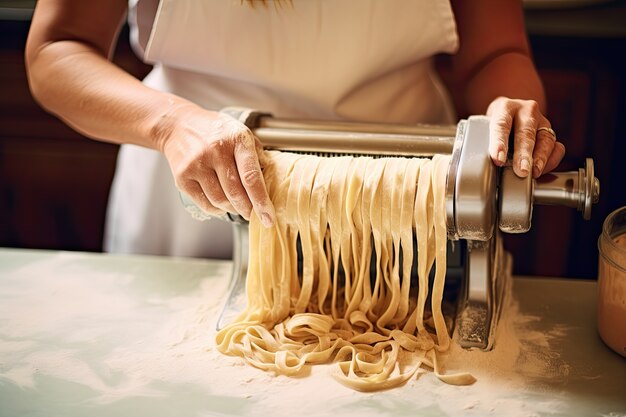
(101,332)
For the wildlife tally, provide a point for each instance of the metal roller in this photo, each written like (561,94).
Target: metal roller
(474,198)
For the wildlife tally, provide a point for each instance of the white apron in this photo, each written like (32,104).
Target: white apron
(367,60)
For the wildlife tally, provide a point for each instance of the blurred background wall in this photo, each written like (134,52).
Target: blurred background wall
(54,183)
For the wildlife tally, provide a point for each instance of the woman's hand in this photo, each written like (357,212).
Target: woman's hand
(494,62)
(212,156)
(215,161)
(535,146)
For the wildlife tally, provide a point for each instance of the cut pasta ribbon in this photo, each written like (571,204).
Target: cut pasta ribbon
(344,212)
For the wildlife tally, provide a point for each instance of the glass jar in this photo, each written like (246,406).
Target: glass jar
(612,281)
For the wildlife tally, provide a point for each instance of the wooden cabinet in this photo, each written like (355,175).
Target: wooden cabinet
(54,182)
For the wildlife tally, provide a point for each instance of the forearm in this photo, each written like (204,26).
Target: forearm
(78,84)
(494,74)
(511,74)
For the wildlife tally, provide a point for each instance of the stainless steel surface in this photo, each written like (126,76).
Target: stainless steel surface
(317,136)
(236,301)
(592,188)
(451,181)
(515,202)
(489,270)
(341,126)
(473,321)
(475,193)
(563,188)
(577,189)
(196,212)
(388,144)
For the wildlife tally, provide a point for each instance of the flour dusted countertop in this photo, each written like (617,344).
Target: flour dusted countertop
(108,335)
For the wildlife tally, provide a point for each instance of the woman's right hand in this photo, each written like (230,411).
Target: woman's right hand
(215,160)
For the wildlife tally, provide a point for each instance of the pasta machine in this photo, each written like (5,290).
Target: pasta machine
(482,201)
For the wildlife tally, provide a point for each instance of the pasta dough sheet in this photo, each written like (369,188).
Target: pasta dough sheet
(351,300)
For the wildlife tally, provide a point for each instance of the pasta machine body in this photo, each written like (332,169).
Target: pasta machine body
(482,201)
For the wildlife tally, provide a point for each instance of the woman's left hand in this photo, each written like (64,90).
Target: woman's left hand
(535,146)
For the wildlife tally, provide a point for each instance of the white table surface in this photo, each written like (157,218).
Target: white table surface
(69,322)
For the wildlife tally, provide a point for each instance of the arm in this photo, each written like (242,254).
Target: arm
(498,77)
(70,75)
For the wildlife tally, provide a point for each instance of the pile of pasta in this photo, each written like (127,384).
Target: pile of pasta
(351,301)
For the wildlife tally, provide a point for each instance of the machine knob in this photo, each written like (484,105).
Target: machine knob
(577,189)
(515,202)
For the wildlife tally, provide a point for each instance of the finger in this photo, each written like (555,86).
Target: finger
(233,189)
(258,146)
(212,189)
(543,149)
(555,157)
(526,120)
(500,126)
(194,190)
(252,179)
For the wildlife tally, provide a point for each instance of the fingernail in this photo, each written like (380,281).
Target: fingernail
(502,156)
(267,220)
(538,167)
(524,166)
